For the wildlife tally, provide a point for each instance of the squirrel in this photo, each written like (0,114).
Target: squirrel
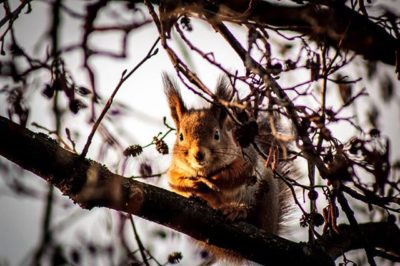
(209,163)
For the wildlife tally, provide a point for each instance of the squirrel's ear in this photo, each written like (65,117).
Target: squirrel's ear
(224,93)
(174,98)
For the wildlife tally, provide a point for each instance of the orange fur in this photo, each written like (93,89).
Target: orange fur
(208,163)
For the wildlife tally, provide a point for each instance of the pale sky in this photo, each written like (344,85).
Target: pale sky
(21,217)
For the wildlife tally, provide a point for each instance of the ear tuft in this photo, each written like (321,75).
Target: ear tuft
(176,105)
(224,93)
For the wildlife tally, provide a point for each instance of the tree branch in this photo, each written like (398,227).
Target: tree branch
(92,185)
(336,24)
(380,235)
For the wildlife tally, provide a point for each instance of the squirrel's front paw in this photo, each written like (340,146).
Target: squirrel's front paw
(234,211)
(208,183)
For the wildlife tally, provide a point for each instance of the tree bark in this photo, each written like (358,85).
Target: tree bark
(382,235)
(336,24)
(90,184)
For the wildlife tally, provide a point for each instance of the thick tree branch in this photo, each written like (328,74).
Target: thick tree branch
(337,24)
(380,235)
(91,185)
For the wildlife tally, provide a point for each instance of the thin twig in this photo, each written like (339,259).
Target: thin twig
(306,146)
(354,224)
(290,186)
(372,198)
(178,64)
(123,78)
(14,15)
(142,249)
(311,165)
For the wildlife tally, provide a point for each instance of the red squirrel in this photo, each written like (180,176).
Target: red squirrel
(209,163)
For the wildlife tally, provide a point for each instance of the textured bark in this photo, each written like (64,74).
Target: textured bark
(91,185)
(380,235)
(340,26)
(337,24)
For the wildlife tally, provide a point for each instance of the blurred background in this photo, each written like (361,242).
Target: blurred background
(101,236)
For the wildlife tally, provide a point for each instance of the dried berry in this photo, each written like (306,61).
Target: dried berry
(312,195)
(133,150)
(275,69)
(318,219)
(161,146)
(174,257)
(186,24)
(75,105)
(304,220)
(374,132)
(83,91)
(245,134)
(290,65)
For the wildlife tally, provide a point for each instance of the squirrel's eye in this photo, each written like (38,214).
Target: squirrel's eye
(180,136)
(216,135)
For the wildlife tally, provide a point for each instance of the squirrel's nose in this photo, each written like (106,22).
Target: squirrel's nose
(199,155)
